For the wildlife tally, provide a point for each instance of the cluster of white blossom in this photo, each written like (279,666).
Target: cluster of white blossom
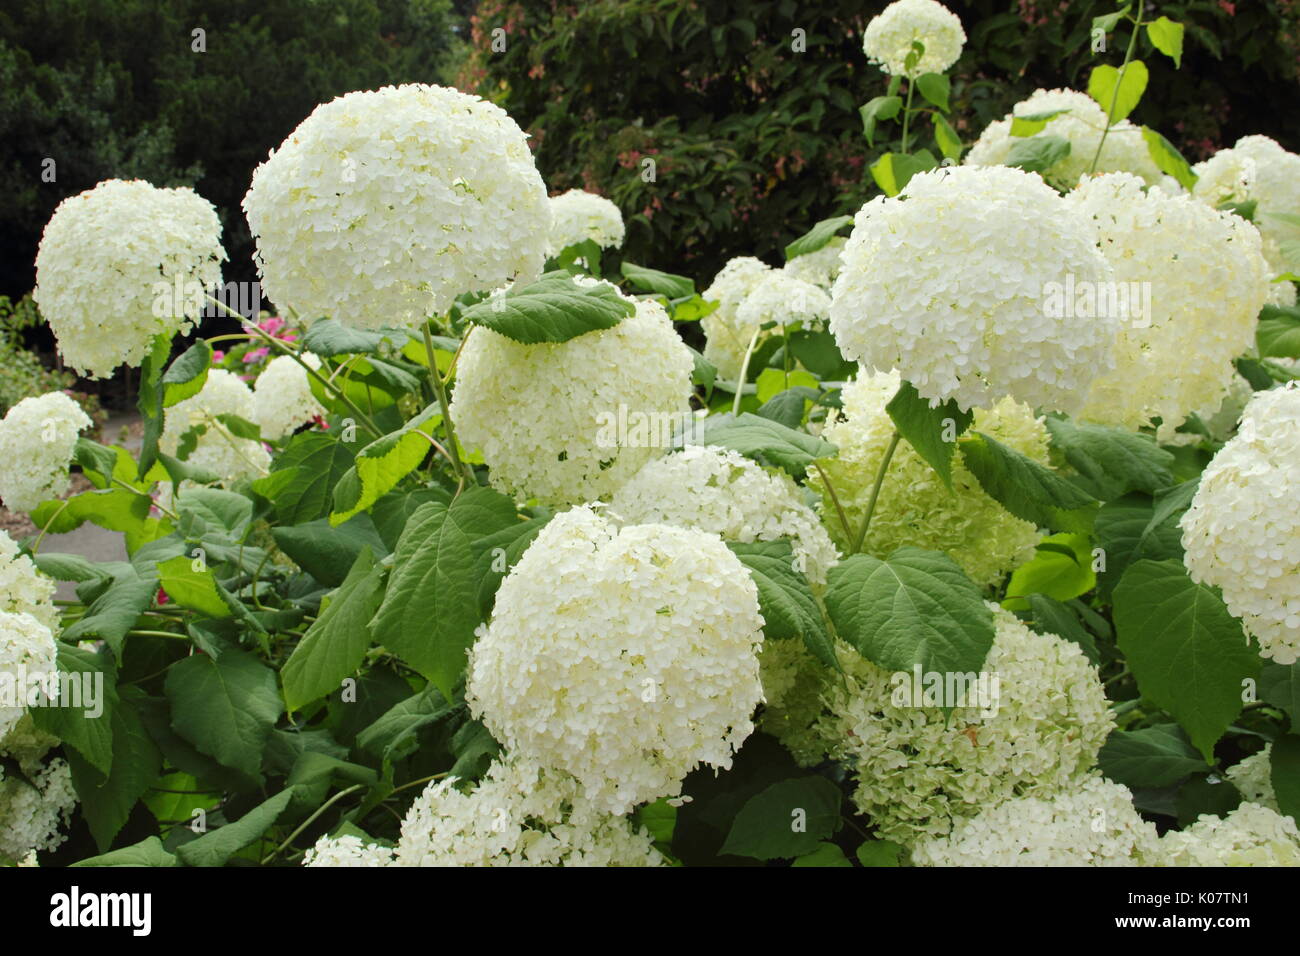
(724,493)
(25,645)
(1253,778)
(36,805)
(217,449)
(37,439)
(347,850)
(820,267)
(947,284)
(569,422)
(890,36)
(779,297)
(1080,121)
(622,657)
(282,398)
(1250,835)
(1090,823)
(383,206)
(914,506)
(725,338)
(577,216)
(1227,176)
(23,589)
(122,263)
(1242,531)
(1194,281)
(1276,189)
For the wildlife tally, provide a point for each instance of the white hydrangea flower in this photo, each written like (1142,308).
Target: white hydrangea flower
(24,589)
(779,297)
(725,339)
(1200,281)
(1092,823)
(623,657)
(1242,531)
(577,216)
(1081,124)
(26,645)
(1281,293)
(819,267)
(518,815)
(1253,778)
(37,439)
(1227,176)
(1250,835)
(722,492)
(347,850)
(282,398)
(383,206)
(917,770)
(122,263)
(1277,190)
(34,809)
(793,683)
(915,507)
(889,37)
(950,283)
(569,422)
(217,449)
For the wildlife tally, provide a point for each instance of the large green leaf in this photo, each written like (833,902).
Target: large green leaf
(555,308)
(1168,159)
(1167,36)
(931,431)
(1050,616)
(764,440)
(1111,460)
(1061,568)
(788,819)
(1187,653)
(393,735)
(191,585)
(914,608)
(1038,154)
(1279,684)
(1156,756)
(789,609)
(76,722)
(335,644)
(186,376)
(1284,773)
(148,852)
(217,846)
(328,553)
(316,462)
(107,800)
(329,337)
(115,509)
(1026,488)
(1118,93)
(213,511)
(115,605)
(1278,332)
(382,464)
(652,280)
(820,234)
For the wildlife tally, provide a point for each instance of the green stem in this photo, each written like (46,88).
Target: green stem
(144,494)
(36,545)
(835,500)
(875,493)
(907,109)
(440,389)
(1119,83)
(744,372)
(309,821)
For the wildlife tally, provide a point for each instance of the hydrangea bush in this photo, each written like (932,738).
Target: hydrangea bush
(948,548)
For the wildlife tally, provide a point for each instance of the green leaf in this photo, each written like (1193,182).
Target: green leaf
(1187,653)
(217,846)
(116,606)
(150,400)
(916,608)
(880,853)
(393,735)
(935,88)
(788,819)
(1112,460)
(335,644)
(497,553)
(1032,123)
(1024,487)
(430,607)
(194,589)
(1118,94)
(1279,685)
(932,432)
(329,337)
(68,567)
(1156,756)
(946,137)
(817,237)
(818,352)
(692,309)
(1038,154)
(382,464)
(872,112)
(148,852)
(1062,573)
(1107,22)
(115,509)
(1129,528)
(1278,332)
(1167,37)
(1168,159)
(826,854)
(186,376)
(328,553)
(893,171)
(652,280)
(107,799)
(1284,772)
(74,720)
(317,462)
(1053,617)
(764,440)
(784,597)
(225,707)
(391,512)
(213,511)
(552,309)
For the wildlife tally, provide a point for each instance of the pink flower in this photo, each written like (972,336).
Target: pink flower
(218,356)
(256,355)
(272,325)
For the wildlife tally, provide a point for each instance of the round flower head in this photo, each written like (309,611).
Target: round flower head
(1092,823)
(1227,176)
(577,216)
(569,422)
(282,399)
(914,506)
(518,815)
(23,589)
(1253,778)
(1250,835)
(1033,732)
(725,339)
(820,267)
(624,658)
(27,647)
(1189,284)
(779,297)
(1242,531)
(37,804)
(122,263)
(890,37)
(949,284)
(217,449)
(724,493)
(347,850)
(37,439)
(383,206)
(1080,122)
(793,684)
(1276,189)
